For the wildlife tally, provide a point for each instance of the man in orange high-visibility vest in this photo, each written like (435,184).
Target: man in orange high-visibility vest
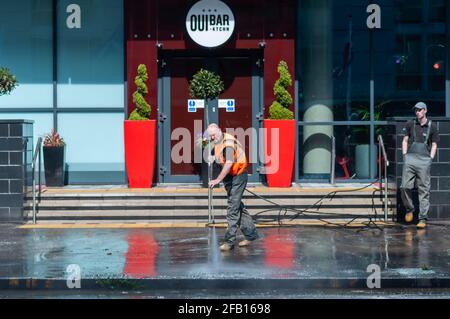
(228,152)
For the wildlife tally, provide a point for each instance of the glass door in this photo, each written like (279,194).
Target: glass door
(235,110)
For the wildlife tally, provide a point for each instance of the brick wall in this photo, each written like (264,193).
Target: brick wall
(16,151)
(440,169)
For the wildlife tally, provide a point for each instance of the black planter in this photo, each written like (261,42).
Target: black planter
(54,166)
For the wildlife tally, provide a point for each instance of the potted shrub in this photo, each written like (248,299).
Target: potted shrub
(54,159)
(206,85)
(8,81)
(140,136)
(281,151)
(362,168)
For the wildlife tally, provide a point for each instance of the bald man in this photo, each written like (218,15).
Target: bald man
(229,153)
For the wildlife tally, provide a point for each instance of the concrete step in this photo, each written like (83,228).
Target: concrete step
(195,206)
(220,221)
(202,200)
(193,214)
(190,213)
(197,216)
(201,204)
(201,192)
(192,204)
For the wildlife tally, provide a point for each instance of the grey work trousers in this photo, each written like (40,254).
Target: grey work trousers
(416,169)
(237,214)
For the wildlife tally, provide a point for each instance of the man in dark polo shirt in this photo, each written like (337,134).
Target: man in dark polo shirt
(419,148)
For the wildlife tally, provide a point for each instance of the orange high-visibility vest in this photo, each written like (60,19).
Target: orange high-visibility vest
(239,158)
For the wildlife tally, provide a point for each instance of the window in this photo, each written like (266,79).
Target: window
(408,11)
(412,60)
(408,59)
(334,76)
(26,49)
(91,58)
(436,11)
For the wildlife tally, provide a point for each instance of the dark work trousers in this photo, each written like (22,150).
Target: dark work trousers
(417,168)
(237,214)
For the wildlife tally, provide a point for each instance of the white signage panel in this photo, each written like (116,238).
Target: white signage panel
(210,23)
(193,105)
(228,104)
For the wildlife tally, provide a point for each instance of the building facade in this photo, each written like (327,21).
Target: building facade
(354,64)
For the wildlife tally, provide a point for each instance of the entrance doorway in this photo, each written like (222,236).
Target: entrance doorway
(241,72)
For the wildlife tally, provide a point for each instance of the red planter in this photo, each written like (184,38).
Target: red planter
(279,152)
(140,149)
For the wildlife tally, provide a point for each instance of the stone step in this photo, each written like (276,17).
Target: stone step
(198,216)
(195,207)
(203,203)
(185,199)
(198,219)
(203,212)
(202,193)
(192,208)
(192,204)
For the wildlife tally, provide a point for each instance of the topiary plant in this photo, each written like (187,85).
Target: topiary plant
(143,109)
(279,110)
(8,81)
(205,85)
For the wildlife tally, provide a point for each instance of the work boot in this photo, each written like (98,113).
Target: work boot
(244,243)
(409,217)
(226,247)
(422,224)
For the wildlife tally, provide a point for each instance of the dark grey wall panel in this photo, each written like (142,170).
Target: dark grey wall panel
(16,150)
(4,158)
(4,186)
(4,129)
(444,155)
(444,127)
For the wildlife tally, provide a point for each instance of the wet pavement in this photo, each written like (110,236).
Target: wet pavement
(283,258)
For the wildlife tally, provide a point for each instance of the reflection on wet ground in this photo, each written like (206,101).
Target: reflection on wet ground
(295,252)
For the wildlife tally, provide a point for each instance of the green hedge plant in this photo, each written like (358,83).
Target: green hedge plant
(279,110)
(8,81)
(143,109)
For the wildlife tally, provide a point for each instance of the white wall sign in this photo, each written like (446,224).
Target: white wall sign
(193,105)
(210,23)
(228,104)
(74,19)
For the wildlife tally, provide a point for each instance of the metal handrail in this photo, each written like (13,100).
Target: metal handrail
(36,156)
(382,150)
(333,161)
(210,191)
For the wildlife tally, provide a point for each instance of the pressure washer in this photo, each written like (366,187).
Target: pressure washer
(210,191)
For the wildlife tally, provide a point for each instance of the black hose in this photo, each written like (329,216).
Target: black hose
(370,224)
